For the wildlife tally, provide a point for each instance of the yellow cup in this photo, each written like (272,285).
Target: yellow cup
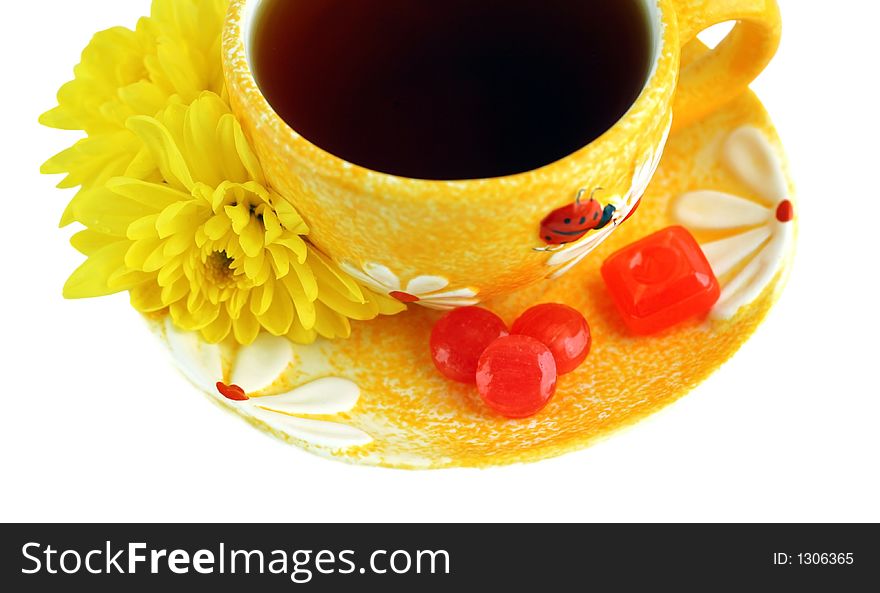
(452,243)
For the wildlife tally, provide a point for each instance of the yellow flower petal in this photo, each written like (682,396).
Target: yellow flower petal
(280,260)
(289,217)
(91,161)
(261,298)
(385,304)
(246,327)
(233,167)
(178,244)
(306,279)
(163,149)
(253,266)
(143,228)
(143,97)
(252,238)
(217,331)
(156,259)
(301,335)
(274,230)
(147,298)
(125,279)
(278,317)
(157,196)
(101,210)
(237,303)
(222,195)
(58,119)
(340,304)
(204,193)
(180,74)
(331,276)
(196,298)
(140,250)
(206,314)
(217,226)
(200,130)
(305,307)
(193,319)
(173,118)
(246,154)
(88,241)
(170,274)
(180,217)
(330,324)
(259,191)
(176,291)
(142,166)
(240,215)
(90,279)
(296,245)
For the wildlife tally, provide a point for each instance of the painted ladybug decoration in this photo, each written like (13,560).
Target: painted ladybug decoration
(572,222)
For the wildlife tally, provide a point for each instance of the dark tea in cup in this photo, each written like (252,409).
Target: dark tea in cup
(451,89)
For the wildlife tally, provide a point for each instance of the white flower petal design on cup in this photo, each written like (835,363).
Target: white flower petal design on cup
(427,291)
(324,397)
(572,254)
(257,368)
(713,211)
(261,364)
(762,232)
(201,363)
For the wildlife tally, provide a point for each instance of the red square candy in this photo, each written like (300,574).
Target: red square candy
(661,281)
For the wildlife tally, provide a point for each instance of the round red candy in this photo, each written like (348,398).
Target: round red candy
(516,376)
(562,329)
(460,337)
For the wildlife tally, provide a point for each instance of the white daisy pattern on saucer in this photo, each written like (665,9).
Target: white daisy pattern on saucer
(256,369)
(565,258)
(760,232)
(432,292)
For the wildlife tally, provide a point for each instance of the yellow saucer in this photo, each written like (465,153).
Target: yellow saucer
(376,398)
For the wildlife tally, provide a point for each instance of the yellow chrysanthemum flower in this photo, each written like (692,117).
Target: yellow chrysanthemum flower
(201,233)
(175,52)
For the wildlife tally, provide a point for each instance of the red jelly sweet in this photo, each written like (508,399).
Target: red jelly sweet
(516,376)
(460,337)
(661,281)
(560,328)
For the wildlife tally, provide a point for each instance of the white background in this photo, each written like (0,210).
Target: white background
(96,426)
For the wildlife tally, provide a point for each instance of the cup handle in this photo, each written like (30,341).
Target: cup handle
(710,78)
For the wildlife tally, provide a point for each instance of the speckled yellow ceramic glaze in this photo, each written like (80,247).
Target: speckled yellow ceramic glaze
(392,408)
(470,241)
